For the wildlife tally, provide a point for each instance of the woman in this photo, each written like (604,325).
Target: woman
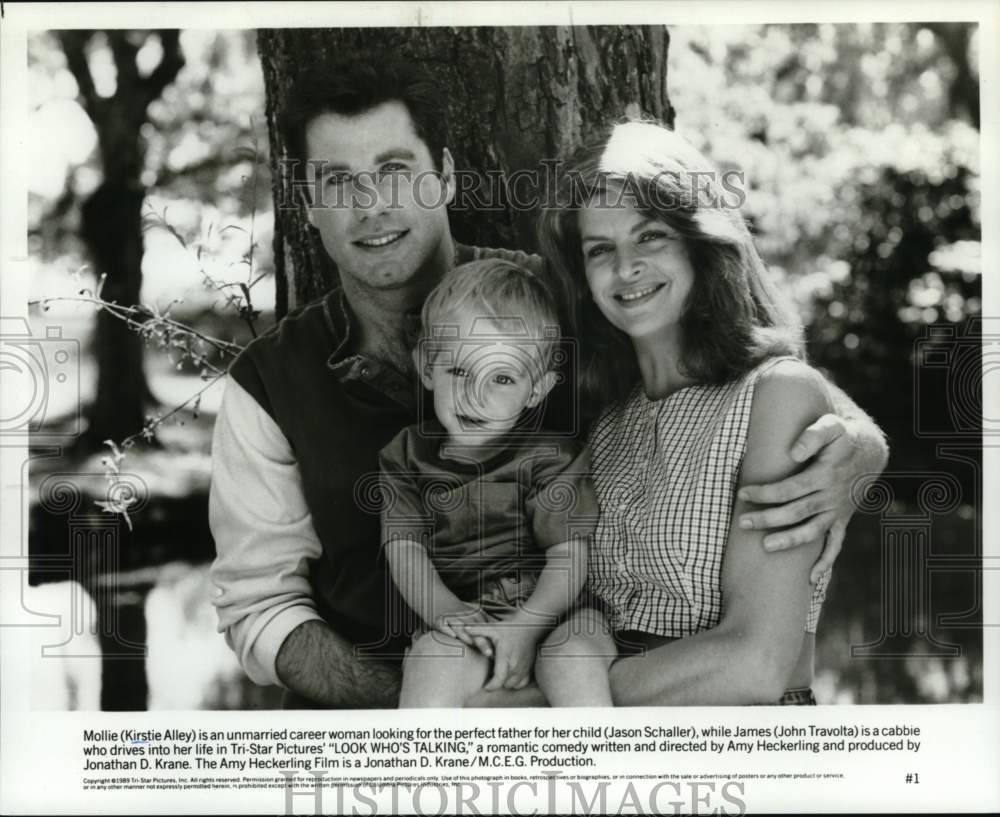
(679,325)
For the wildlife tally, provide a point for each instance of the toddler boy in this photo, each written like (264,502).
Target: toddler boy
(486,522)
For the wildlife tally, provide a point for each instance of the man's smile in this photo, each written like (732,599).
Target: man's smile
(376,242)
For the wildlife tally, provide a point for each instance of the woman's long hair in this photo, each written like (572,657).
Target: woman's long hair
(734,316)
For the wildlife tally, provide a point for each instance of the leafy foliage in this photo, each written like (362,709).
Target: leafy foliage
(861,163)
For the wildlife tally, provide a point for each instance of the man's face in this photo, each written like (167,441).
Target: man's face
(377,201)
(483,378)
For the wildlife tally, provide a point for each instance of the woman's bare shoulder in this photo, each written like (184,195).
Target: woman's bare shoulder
(791,387)
(788,397)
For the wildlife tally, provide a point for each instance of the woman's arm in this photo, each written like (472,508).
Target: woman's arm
(840,449)
(749,657)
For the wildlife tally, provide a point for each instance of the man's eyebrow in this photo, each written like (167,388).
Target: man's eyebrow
(395,153)
(326,168)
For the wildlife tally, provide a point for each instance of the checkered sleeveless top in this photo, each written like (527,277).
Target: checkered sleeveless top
(666,472)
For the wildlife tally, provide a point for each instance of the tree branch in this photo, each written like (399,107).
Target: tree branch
(124,52)
(214,163)
(170,65)
(74,44)
(138,318)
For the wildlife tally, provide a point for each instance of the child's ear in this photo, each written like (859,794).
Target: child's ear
(422,367)
(541,388)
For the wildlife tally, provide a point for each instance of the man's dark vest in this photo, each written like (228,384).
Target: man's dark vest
(336,427)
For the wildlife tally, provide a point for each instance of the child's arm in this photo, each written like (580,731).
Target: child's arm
(563,511)
(516,637)
(559,583)
(424,591)
(404,519)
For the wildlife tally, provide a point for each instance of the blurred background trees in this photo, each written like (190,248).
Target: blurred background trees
(859,146)
(860,150)
(180,177)
(204,212)
(111,215)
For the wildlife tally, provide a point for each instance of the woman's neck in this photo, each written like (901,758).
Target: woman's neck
(660,366)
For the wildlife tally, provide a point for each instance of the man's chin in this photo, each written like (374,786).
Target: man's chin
(388,274)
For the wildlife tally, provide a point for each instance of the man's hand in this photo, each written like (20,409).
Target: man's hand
(453,623)
(818,500)
(515,640)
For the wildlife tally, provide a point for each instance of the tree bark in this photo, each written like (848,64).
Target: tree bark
(515,97)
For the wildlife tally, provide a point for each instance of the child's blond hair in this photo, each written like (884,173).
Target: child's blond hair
(507,293)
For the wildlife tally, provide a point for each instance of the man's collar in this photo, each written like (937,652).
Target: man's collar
(340,321)
(338,318)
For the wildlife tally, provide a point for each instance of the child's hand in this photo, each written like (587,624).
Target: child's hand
(453,623)
(515,641)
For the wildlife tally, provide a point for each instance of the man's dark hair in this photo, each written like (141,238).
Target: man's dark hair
(352,88)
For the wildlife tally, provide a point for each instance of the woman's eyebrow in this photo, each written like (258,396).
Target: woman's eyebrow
(642,225)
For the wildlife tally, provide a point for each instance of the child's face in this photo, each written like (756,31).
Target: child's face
(483,377)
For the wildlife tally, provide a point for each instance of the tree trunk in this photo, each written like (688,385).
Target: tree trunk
(112,231)
(516,97)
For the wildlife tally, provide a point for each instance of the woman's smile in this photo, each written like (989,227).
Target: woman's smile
(638,295)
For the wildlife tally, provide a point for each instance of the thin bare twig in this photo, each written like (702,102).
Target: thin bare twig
(139,317)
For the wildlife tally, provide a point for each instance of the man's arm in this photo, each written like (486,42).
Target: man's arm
(264,540)
(750,655)
(320,665)
(841,449)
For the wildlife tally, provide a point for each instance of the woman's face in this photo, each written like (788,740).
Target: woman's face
(637,269)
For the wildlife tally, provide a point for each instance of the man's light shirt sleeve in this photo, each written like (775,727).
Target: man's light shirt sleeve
(264,536)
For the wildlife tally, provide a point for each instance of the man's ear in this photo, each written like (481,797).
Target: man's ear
(423,369)
(448,174)
(541,388)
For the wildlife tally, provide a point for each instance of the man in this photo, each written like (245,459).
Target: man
(300,591)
